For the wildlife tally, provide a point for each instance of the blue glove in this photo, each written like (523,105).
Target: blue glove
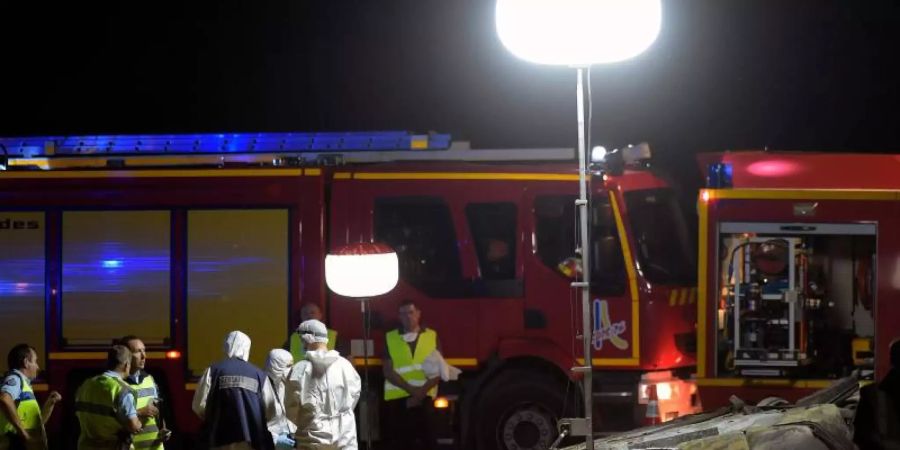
(284,441)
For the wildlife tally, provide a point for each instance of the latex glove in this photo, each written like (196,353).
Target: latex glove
(284,442)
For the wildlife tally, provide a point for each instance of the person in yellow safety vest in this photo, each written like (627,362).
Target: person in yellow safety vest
(22,420)
(309,311)
(407,391)
(148,396)
(105,405)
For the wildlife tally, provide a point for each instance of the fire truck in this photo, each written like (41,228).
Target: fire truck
(181,238)
(798,272)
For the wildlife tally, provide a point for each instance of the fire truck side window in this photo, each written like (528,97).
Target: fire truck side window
(493,227)
(420,229)
(607,262)
(556,230)
(663,247)
(115,276)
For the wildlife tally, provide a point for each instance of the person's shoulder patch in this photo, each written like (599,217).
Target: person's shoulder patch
(11,381)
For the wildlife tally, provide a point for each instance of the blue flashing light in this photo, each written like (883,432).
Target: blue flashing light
(18,288)
(111,263)
(719,175)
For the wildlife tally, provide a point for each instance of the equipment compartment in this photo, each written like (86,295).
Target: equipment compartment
(795,300)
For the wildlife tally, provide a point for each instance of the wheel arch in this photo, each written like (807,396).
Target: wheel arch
(540,357)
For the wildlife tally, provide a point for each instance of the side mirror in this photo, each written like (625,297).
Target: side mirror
(615,163)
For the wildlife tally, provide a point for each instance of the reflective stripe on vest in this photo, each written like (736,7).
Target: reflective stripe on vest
(297,350)
(29,412)
(96,407)
(144,393)
(407,364)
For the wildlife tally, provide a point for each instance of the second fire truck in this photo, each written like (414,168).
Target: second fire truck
(798,272)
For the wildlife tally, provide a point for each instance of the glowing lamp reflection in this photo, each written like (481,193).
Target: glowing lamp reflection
(772,168)
(441,403)
(664,391)
(111,263)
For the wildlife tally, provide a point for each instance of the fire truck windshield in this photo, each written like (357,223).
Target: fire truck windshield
(662,244)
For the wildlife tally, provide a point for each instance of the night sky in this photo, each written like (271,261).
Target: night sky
(799,74)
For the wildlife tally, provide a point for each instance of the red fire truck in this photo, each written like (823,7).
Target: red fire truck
(181,238)
(790,297)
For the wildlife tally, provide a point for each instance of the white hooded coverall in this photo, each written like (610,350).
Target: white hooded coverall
(278,366)
(237,345)
(322,391)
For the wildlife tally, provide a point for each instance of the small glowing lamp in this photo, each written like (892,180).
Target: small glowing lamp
(441,403)
(361,270)
(598,154)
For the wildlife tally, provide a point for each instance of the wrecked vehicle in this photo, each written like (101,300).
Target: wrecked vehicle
(821,421)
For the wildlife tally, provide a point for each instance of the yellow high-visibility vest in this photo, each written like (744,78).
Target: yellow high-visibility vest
(144,393)
(29,412)
(96,405)
(408,364)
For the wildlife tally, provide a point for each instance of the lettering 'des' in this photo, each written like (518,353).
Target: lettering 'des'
(10,224)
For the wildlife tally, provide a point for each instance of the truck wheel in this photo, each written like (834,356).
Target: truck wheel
(519,412)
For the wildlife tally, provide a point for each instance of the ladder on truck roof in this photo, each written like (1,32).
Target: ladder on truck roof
(257,149)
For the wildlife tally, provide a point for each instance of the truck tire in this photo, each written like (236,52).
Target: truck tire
(519,411)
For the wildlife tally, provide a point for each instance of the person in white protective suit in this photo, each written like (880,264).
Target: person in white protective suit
(321,392)
(278,367)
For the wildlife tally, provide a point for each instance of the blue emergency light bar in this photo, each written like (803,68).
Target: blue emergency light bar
(217,143)
(719,175)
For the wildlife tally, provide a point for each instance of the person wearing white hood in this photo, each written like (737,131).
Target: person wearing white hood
(278,367)
(235,400)
(321,392)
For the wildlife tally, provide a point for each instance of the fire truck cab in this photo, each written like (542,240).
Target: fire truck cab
(181,238)
(790,298)
(488,252)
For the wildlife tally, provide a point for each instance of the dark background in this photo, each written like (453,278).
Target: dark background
(723,74)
